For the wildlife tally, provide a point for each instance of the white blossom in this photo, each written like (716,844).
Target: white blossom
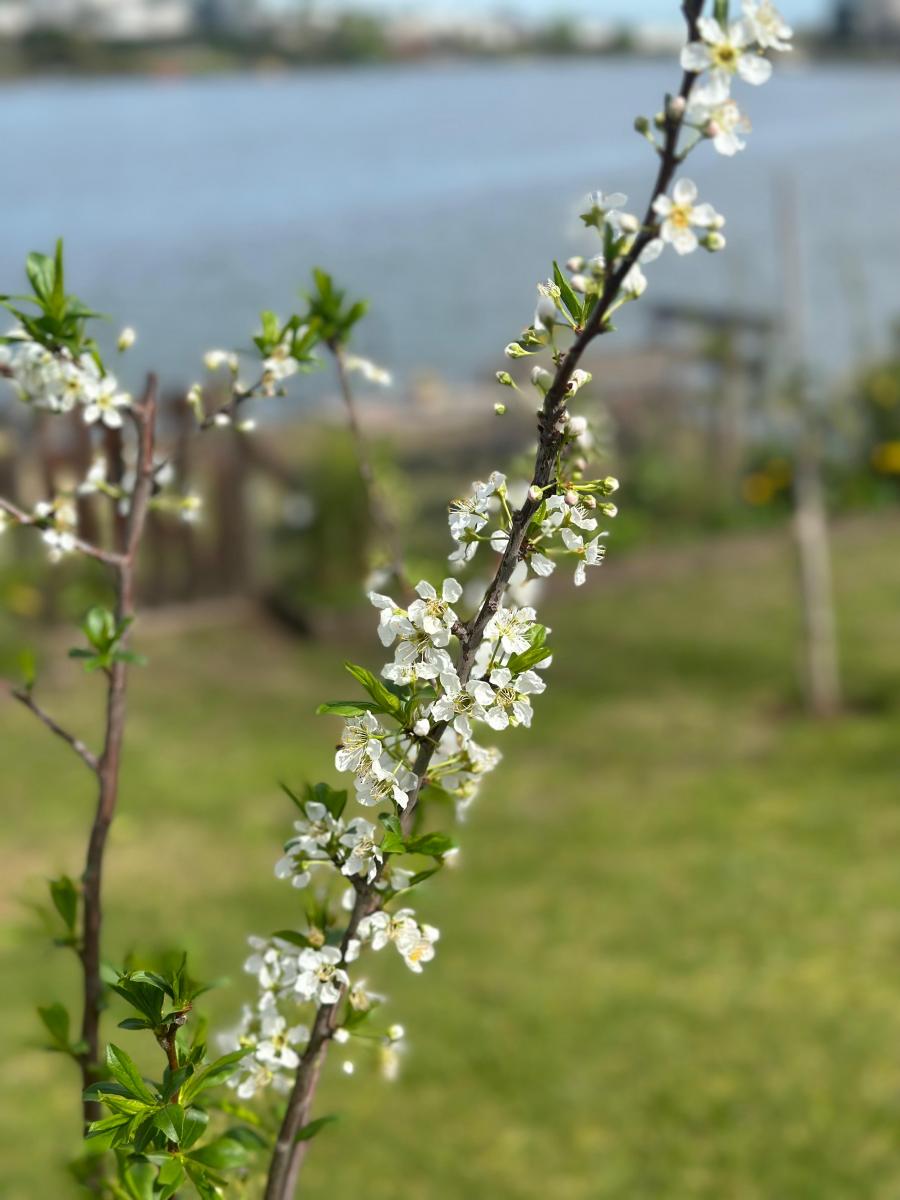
(768,26)
(320,977)
(432,612)
(365,855)
(681,214)
(714,111)
(590,554)
(726,52)
(359,740)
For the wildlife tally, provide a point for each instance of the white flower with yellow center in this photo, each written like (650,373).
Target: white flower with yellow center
(504,697)
(769,27)
(726,52)
(365,855)
(359,740)
(681,214)
(321,977)
(105,404)
(432,612)
(511,626)
(714,112)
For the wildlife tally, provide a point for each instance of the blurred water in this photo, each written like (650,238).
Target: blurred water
(442,190)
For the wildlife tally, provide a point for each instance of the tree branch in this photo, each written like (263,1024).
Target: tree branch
(129,536)
(20,517)
(25,698)
(288,1155)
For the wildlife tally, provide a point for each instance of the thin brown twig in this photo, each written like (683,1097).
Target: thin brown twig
(289,1154)
(25,698)
(110,558)
(109,764)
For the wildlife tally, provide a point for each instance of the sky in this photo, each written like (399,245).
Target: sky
(799,11)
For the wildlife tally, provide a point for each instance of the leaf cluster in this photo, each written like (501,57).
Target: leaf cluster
(330,314)
(104,635)
(59,323)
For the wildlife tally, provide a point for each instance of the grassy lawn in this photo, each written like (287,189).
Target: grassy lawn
(670,963)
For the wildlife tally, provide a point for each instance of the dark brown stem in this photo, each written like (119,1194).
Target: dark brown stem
(379,510)
(288,1155)
(129,539)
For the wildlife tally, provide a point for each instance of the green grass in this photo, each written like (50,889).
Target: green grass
(670,963)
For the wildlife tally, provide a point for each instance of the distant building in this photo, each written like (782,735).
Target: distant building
(867,20)
(113,20)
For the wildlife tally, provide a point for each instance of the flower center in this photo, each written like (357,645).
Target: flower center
(725,56)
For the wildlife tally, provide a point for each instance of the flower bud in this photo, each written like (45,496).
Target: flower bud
(713,129)
(580,464)
(535,493)
(245,426)
(541,378)
(641,125)
(127,338)
(676,107)
(505,378)
(421,727)
(660,120)
(580,283)
(609,485)
(571,498)
(396,1033)
(590,502)
(546,313)
(578,426)
(629,223)
(221,419)
(514,350)
(500,410)
(316,938)
(348,1068)
(341,1036)
(714,241)
(575,264)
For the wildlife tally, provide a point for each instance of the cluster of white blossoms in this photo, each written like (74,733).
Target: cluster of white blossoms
(452,673)
(59,383)
(726,52)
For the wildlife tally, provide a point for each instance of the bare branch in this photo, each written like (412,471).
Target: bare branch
(26,699)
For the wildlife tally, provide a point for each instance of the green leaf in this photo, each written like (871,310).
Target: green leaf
(100,627)
(197,1175)
(224,1154)
(432,844)
(96,1128)
(56,1021)
(528,659)
(133,1023)
(308,1132)
(64,895)
(170,1121)
(41,274)
(293,936)
(216,1073)
(195,1122)
(139,1179)
(568,296)
(146,996)
(347,708)
(333,800)
(386,700)
(124,1071)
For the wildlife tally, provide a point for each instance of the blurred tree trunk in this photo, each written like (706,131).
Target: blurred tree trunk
(821,671)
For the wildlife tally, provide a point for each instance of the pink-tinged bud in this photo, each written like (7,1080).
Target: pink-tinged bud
(713,129)
(590,502)
(677,105)
(580,283)
(535,493)
(571,498)
(575,264)
(578,426)
(580,464)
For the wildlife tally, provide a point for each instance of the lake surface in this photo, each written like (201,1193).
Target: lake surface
(443,191)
